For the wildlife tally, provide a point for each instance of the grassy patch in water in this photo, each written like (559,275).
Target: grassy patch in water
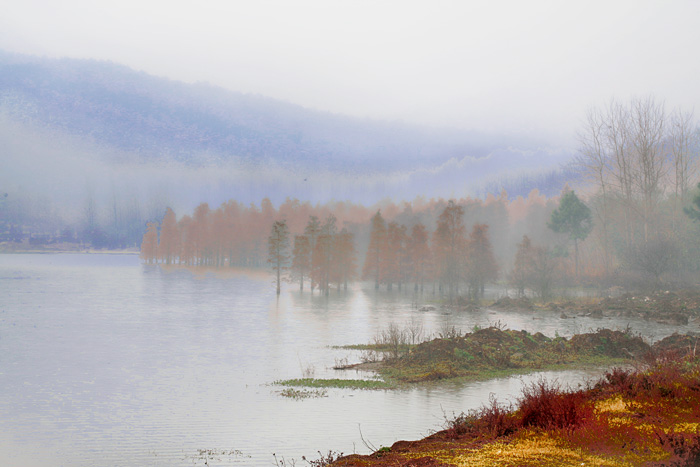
(441,372)
(492,352)
(335,383)
(299,394)
(403,348)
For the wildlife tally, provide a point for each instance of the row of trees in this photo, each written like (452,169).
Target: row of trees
(234,234)
(230,235)
(322,255)
(450,259)
(394,257)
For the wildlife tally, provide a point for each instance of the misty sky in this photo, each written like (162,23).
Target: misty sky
(522,67)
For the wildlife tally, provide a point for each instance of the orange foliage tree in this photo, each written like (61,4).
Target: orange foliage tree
(169,244)
(373,268)
(450,243)
(481,263)
(301,260)
(278,246)
(419,256)
(149,244)
(521,275)
(344,267)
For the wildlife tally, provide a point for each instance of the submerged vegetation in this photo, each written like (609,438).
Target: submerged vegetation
(335,383)
(629,418)
(299,394)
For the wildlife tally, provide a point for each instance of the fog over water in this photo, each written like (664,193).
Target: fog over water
(109,362)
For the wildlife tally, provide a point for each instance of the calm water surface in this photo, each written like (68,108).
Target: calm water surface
(105,361)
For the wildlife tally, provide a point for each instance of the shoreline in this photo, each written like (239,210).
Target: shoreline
(628,418)
(20,249)
(502,354)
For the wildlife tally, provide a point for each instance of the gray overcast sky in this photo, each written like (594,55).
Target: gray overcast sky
(524,66)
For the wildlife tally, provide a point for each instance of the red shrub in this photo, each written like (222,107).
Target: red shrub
(497,419)
(493,421)
(683,447)
(545,405)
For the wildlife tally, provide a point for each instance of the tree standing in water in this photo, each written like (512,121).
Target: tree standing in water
(373,268)
(149,244)
(450,243)
(481,263)
(344,264)
(301,259)
(168,244)
(312,232)
(523,267)
(278,246)
(419,255)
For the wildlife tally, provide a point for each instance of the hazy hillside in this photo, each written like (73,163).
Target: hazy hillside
(156,118)
(75,132)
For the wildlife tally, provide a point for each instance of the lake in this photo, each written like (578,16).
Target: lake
(107,361)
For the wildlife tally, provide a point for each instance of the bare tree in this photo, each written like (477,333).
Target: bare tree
(629,151)
(647,135)
(594,162)
(682,139)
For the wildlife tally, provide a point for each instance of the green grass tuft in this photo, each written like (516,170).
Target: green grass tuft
(335,383)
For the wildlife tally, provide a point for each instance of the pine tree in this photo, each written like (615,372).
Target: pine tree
(572,217)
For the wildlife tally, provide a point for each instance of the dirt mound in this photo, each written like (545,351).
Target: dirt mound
(678,343)
(507,303)
(615,344)
(485,349)
(493,349)
(665,306)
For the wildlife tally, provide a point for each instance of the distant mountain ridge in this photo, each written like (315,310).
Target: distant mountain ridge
(159,118)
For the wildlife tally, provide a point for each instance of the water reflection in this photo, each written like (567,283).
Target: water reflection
(104,361)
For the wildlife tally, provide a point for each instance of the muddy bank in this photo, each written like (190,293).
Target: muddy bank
(668,307)
(494,352)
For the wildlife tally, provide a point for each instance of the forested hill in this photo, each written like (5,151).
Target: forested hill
(158,118)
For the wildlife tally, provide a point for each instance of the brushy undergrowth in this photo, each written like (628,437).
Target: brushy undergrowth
(629,418)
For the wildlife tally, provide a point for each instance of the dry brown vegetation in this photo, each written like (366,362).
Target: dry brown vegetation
(629,418)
